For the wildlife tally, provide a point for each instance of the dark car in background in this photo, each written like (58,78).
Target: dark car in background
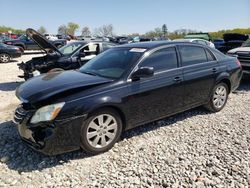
(70,56)
(123,87)
(8,52)
(24,42)
(218,43)
(231,41)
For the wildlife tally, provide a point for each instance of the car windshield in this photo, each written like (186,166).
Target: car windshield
(71,48)
(112,63)
(246,43)
(22,37)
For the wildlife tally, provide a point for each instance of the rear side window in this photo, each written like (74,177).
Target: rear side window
(192,55)
(210,57)
(161,60)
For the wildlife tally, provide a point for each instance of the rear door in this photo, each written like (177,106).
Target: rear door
(160,95)
(199,71)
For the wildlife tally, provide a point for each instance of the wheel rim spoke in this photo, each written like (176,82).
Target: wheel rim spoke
(110,135)
(100,120)
(109,119)
(95,141)
(93,125)
(103,141)
(92,134)
(112,127)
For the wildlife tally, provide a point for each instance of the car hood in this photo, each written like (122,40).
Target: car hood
(47,85)
(235,36)
(240,49)
(41,41)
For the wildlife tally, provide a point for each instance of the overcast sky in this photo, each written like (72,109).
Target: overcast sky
(127,16)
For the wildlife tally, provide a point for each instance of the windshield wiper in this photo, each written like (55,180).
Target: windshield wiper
(90,73)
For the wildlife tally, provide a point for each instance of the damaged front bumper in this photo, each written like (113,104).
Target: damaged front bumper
(49,138)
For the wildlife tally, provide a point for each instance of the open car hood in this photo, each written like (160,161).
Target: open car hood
(234,36)
(41,41)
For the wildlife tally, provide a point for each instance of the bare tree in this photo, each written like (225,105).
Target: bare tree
(105,31)
(62,30)
(86,31)
(42,30)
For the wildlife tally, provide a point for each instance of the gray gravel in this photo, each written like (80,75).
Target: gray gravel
(191,149)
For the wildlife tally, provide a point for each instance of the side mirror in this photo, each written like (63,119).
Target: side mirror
(143,72)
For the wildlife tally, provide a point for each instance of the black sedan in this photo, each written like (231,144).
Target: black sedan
(8,52)
(124,87)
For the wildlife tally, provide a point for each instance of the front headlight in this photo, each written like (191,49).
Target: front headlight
(47,113)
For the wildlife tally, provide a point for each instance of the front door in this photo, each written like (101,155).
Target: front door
(160,95)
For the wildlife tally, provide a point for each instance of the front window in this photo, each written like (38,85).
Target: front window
(246,43)
(70,48)
(161,60)
(112,63)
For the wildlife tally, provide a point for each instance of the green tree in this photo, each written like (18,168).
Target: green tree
(42,30)
(72,28)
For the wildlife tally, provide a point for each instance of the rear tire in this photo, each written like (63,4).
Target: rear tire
(4,58)
(218,98)
(101,131)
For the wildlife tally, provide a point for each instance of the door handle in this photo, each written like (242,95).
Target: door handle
(214,70)
(178,79)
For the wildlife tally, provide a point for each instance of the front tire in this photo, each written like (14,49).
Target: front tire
(218,98)
(101,131)
(4,58)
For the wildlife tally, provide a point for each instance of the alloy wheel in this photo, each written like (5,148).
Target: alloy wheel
(4,58)
(102,130)
(220,96)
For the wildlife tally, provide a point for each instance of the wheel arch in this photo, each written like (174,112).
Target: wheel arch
(225,79)
(115,108)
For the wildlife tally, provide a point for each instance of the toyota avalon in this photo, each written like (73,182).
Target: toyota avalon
(123,87)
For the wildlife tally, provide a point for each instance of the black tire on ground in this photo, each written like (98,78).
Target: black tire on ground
(108,132)
(56,70)
(218,98)
(4,58)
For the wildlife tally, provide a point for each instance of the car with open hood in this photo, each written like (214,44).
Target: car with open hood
(123,87)
(70,56)
(231,41)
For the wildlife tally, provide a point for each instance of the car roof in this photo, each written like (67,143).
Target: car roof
(146,45)
(154,44)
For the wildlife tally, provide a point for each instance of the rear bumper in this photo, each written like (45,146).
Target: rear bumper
(51,138)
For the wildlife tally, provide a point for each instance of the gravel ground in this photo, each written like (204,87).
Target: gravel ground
(191,149)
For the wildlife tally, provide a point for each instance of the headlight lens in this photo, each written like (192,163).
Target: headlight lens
(47,113)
